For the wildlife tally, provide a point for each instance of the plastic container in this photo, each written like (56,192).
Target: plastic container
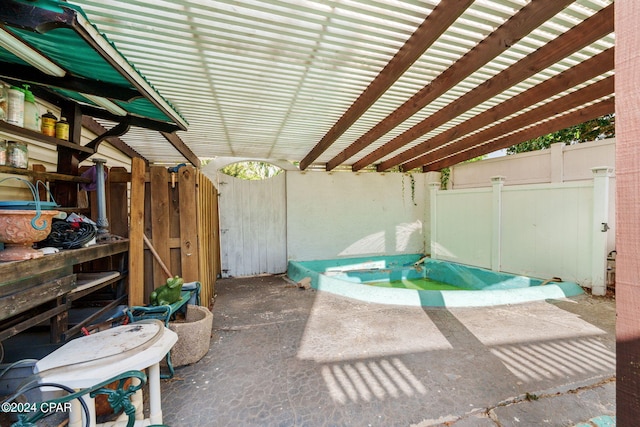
(3,152)
(62,129)
(31,111)
(48,124)
(4,101)
(16,106)
(17,154)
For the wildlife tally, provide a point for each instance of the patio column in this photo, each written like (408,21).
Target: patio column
(497,182)
(627,62)
(433,195)
(601,176)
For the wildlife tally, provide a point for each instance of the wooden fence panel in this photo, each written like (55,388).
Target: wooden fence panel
(160,220)
(187,181)
(164,211)
(208,237)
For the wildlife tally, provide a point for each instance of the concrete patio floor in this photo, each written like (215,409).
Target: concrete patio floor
(282,356)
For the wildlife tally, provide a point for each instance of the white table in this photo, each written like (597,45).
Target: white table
(89,360)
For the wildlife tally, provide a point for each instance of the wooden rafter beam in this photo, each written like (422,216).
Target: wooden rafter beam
(582,115)
(508,134)
(580,36)
(440,18)
(584,71)
(179,145)
(522,23)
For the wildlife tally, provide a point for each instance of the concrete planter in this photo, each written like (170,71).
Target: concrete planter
(194,336)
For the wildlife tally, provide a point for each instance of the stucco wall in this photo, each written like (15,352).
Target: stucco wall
(345,214)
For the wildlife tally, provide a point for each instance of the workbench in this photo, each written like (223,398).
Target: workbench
(36,290)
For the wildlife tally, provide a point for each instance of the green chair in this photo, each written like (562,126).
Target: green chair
(119,399)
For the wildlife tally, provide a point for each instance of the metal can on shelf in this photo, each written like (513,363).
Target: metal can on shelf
(17,154)
(62,129)
(48,123)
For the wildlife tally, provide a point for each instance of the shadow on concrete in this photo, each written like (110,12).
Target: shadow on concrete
(281,356)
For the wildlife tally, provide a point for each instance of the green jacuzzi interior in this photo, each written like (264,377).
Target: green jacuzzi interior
(395,280)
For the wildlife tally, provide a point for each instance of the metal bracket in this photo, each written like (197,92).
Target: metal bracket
(118,130)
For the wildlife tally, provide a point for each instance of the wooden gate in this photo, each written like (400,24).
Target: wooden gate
(252,226)
(179,216)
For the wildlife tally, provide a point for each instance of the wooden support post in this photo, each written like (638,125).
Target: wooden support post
(136,233)
(66,193)
(117,196)
(60,322)
(627,90)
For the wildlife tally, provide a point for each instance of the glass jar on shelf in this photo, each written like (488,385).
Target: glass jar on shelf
(4,101)
(17,154)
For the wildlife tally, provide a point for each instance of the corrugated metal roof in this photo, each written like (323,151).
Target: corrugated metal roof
(269,78)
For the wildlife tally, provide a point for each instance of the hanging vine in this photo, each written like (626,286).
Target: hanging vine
(413,189)
(412,180)
(445,174)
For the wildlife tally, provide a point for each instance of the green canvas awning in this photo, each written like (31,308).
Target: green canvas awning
(51,45)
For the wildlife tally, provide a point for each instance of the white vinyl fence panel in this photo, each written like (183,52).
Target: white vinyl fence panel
(463,227)
(252,226)
(539,230)
(547,231)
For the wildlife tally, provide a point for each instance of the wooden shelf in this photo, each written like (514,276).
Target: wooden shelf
(9,271)
(27,135)
(34,318)
(44,176)
(20,302)
(46,288)
(94,281)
